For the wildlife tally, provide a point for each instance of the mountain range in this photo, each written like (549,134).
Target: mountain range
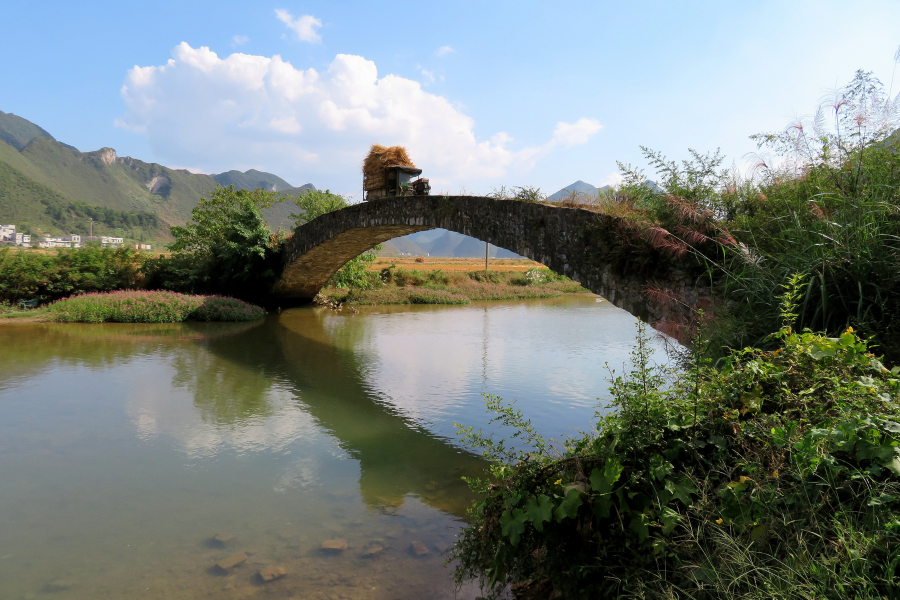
(443,243)
(47,186)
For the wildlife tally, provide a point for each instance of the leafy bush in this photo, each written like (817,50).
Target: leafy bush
(226,248)
(25,275)
(775,475)
(356,274)
(315,203)
(130,306)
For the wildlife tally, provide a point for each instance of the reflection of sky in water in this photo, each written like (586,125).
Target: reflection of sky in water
(550,357)
(151,438)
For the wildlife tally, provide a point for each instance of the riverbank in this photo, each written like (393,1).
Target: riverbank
(447,283)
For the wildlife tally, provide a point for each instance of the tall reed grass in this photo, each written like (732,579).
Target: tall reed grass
(132,306)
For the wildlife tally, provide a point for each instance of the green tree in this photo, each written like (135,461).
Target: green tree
(226,247)
(316,203)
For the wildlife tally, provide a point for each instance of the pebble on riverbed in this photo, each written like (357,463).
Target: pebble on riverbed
(335,546)
(272,573)
(226,564)
(373,551)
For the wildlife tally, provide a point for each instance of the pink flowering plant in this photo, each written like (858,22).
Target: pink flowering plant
(139,306)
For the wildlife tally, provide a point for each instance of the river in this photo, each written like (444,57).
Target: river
(124,449)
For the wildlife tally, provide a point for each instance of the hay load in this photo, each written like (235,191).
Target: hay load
(389,172)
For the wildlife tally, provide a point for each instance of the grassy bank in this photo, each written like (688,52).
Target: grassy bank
(399,285)
(776,475)
(130,306)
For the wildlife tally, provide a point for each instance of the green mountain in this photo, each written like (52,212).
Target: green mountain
(32,206)
(252,180)
(16,131)
(54,188)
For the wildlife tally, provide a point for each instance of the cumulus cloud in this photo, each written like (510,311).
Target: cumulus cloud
(305,27)
(612,180)
(444,51)
(579,132)
(246,111)
(239,40)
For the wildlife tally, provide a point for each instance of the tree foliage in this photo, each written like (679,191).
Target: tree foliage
(225,248)
(315,203)
(25,275)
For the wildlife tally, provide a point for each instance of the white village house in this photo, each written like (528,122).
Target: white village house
(8,234)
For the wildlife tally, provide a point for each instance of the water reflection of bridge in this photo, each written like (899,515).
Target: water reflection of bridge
(396,456)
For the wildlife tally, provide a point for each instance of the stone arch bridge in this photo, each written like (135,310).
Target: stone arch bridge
(573,241)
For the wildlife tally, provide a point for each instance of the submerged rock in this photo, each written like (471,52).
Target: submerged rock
(271,573)
(373,550)
(419,548)
(226,564)
(335,546)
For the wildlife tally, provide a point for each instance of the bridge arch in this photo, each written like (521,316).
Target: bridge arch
(573,241)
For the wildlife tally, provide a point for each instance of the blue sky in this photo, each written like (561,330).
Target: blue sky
(522,92)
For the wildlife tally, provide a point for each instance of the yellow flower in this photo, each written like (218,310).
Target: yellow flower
(558,481)
(849,330)
(775,474)
(719,521)
(871,390)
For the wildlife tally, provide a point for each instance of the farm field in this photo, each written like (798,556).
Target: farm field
(434,263)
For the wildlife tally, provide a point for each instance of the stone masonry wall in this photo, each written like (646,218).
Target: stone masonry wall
(564,239)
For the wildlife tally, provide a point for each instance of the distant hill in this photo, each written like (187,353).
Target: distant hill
(41,175)
(17,132)
(252,180)
(582,191)
(442,243)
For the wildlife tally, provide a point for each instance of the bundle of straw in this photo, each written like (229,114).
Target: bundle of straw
(380,157)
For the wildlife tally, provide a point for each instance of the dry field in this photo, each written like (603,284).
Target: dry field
(434,263)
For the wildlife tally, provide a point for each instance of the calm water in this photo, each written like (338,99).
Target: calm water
(125,448)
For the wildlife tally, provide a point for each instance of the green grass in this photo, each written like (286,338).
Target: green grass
(413,286)
(133,306)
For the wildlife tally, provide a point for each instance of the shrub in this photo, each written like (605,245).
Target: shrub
(25,274)
(424,295)
(355,274)
(827,207)
(132,306)
(225,248)
(775,475)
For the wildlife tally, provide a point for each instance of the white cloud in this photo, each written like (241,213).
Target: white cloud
(612,180)
(579,132)
(246,111)
(239,40)
(444,51)
(305,27)
(426,74)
